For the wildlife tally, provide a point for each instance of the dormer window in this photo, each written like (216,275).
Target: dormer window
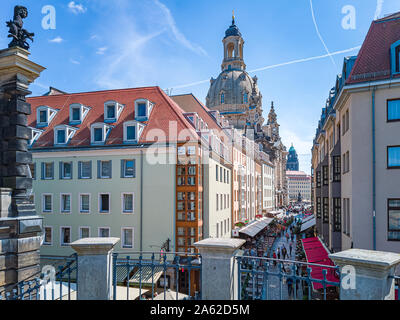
(143,109)
(77,113)
(112,111)
(44,115)
(395,57)
(99,133)
(35,135)
(63,134)
(132,131)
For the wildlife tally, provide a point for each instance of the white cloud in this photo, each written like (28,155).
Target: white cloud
(178,35)
(57,40)
(76,8)
(101,50)
(74,61)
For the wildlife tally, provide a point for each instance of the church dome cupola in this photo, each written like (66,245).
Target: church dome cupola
(233,49)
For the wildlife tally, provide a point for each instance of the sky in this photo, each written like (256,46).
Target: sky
(295,47)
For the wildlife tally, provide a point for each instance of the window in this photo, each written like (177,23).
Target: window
(393,157)
(85,169)
(395,57)
(318,177)
(143,109)
(222,98)
(65,170)
(77,113)
(104,203)
(128,168)
(44,115)
(346,216)
(220,174)
(104,232)
(63,134)
(337,215)
(104,169)
(84,203)
(216,176)
(325,175)
(47,170)
(394,219)
(319,208)
(48,236)
(32,168)
(65,235)
(127,202)
(245,97)
(217,202)
(325,213)
(346,162)
(127,237)
(84,232)
(393,110)
(65,203)
(112,111)
(336,168)
(99,132)
(47,205)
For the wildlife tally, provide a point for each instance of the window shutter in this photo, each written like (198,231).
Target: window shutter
(60,169)
(72,170)
(98,169)
(122,168)
(42,170)
(79,169)
(90,166)
(134,167)
(110,169)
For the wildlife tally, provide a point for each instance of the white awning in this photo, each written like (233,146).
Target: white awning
(308,224)
(255,227)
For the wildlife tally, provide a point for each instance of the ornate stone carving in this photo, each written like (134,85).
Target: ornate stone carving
(16,30)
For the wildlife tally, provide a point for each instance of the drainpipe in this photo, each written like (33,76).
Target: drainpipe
(373,170)
(141,200)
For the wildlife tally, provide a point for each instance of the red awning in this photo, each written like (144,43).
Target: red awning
(316,253)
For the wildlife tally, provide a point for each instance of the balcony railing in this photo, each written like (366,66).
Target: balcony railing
(275,279)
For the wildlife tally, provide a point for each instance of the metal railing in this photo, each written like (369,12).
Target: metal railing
(265,278)
(57,283)
(152,276)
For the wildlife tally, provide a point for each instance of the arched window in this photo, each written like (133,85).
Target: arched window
(245,97)
(231,50)
(222,98)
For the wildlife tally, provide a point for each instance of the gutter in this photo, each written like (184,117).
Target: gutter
(373,170)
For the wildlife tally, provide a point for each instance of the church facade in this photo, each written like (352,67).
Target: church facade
(235,94)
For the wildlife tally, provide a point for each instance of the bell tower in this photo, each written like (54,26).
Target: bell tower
(233,48)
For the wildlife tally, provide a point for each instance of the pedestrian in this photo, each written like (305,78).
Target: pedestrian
(274,256)
(290,248)
(287,237)
(279,253)
(289,282)
(283,252)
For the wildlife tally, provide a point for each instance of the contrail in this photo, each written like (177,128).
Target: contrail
(379,5)
(319,35)
(278,65)
(306,59)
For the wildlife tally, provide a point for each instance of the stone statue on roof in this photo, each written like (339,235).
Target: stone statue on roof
(16,30)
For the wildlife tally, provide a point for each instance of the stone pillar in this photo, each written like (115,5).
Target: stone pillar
(95,267)
(219,279)
(372,278)
(19,224)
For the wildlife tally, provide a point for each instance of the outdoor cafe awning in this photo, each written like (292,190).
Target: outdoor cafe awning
(308,224)
(257,226)
(316,253)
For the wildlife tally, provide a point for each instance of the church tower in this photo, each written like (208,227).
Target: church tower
(234,93)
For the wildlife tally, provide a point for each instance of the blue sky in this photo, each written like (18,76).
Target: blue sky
(102,44)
